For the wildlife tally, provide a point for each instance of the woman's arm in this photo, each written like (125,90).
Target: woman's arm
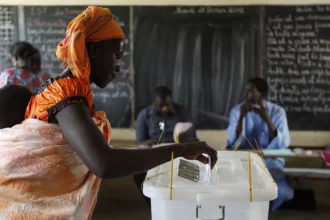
(83,135)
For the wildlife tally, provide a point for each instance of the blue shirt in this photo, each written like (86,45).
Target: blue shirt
(148,128)
(256,128)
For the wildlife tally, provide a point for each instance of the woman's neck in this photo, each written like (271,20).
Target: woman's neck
(67,72)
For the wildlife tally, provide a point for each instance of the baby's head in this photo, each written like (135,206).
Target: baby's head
(13,102)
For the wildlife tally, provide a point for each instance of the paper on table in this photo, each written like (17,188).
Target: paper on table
(284,152)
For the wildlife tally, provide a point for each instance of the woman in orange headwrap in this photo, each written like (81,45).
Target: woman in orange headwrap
(93,45)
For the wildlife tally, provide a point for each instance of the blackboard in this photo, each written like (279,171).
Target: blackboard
(203,54)
(45,27)
(8,33)
(297,67)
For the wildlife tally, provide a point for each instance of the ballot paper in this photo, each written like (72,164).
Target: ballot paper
(181,128)
(189,170)
(207,175)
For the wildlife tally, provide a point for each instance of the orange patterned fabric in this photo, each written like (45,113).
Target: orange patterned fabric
(58,94)
(94,24)
(42,177)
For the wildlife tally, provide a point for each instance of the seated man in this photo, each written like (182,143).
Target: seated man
(265,122)
(163,114)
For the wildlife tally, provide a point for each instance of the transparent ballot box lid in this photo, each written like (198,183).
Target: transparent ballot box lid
(235,177)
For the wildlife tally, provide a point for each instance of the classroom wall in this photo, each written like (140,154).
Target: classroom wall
(215,138)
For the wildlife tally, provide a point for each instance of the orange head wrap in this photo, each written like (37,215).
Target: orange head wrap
(94,24)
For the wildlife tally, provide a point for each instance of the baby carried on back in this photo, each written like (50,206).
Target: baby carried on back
(41,176)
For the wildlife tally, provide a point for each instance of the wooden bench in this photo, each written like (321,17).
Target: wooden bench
(307,173)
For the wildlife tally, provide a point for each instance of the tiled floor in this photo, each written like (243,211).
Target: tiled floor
(119,199)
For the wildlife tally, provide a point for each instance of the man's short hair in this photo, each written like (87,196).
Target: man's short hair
(162,92)
(260,84)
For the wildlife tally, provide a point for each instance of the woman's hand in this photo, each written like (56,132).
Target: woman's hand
(195,151)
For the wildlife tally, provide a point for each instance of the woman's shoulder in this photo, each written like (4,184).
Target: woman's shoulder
(56,94)
(63,84)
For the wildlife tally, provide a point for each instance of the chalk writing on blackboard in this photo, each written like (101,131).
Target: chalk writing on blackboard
(298,59)
(45,28)
(8,34)
(209,10)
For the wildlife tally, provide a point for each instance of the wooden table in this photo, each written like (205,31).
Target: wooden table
(308,173)
(299,173)
(288,153)
(311,154)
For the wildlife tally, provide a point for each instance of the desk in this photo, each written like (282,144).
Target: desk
(288,153)
(307,173)
(299,173)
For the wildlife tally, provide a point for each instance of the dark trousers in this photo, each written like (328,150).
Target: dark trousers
(139,178)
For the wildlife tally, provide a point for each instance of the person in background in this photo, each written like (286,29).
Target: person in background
(162,113)
(165,112)
(26,69)
(265,122)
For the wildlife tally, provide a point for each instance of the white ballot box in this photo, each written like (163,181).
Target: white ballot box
(237,190)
